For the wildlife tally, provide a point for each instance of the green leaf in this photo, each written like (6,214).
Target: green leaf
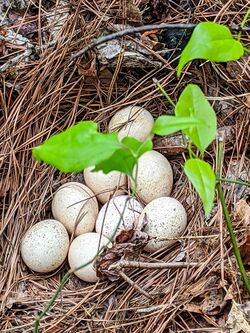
(210,41)
(77,148)
(203,179)
(193,103)
(165,125)
(121,160)
(136,147)
(124,159)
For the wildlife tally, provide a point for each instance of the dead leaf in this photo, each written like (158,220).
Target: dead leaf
(214,302)
(197,288)
(124,236)
(195,308)
(130,13)
(88,69)
(237,320)
(128,244)
(133,13)
(156,10)
(242,212)
(245,250)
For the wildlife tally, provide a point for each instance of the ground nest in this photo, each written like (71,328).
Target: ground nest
(48,91)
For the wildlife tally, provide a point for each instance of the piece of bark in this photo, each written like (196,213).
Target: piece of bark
(133,54)
(174,145)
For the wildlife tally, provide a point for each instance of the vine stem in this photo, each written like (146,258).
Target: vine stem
(164,93)
(228,220)
(238,182)
(243,23)
(51,302)
(233,239)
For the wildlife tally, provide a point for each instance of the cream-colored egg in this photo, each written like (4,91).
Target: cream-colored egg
(75,205)
(84,249)
(44,247)
(105,186)
(154,176)
(164,218)
(132,121)
(120,213)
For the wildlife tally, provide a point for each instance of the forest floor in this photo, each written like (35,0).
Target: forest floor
(44,91)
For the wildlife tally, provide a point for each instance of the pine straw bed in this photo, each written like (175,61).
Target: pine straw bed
(51,96)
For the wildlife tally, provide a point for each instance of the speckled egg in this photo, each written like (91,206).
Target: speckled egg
(105,186)
(120,213)
(133,121)
(83,249)
(75,205)
(154,176)
(165,218)
(44,247)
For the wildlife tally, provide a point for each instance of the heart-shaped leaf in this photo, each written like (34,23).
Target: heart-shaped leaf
(124,159)
(210,41)
(82,145)
(78,147)
(165,125)
(202,176)
(193,104)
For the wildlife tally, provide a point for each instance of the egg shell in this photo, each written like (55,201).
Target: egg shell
(165,218)
(105,186)
(83,249)
(75,204)
(133,121)
(154,176)
(44,247)
(120,213)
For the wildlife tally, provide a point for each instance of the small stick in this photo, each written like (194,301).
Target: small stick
(15,60)
(134,285)
(151,265)
(152,308)
(133,30)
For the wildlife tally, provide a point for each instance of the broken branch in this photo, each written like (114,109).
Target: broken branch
(151,265)
(133,30)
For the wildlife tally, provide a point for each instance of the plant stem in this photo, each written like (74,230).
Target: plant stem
(51,302)
(239,182)
(190,151)
(164,93)
(228,219)
(243,23)
(219,158)
(233,239)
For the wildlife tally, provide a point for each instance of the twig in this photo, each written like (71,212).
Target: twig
(152,308)
(133,30)
(134,285)
(151,265)
(15,60)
